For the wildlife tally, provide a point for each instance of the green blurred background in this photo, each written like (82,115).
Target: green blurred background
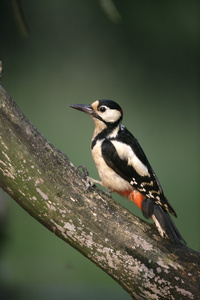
(142,54)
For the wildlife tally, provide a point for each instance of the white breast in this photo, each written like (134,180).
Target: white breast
(110,180)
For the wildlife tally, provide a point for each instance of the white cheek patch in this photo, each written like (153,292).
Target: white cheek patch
(110,115)
(125,152)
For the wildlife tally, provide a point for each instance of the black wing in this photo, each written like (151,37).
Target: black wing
(147,183)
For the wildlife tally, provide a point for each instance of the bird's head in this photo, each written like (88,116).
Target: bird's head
(105,113)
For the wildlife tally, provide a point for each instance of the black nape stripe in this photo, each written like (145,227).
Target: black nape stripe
(93,143)
(104,133)
(100,136)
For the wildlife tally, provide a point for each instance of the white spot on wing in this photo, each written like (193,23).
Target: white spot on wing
(148,183)
(133,181)
(142,189)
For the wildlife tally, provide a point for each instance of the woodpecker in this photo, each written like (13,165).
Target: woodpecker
(124,168)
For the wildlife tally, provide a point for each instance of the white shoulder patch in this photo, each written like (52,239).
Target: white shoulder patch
(125,152)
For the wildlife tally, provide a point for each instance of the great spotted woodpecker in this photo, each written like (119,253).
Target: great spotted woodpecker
(124,168)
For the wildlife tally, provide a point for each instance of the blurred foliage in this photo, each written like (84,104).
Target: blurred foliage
(142,54)
(19,17)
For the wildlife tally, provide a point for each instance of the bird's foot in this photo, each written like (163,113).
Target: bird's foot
(89,181)
(108,193)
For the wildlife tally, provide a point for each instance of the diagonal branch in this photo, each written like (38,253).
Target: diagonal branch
(47,185)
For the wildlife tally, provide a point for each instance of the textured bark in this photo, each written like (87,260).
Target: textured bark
(47,185)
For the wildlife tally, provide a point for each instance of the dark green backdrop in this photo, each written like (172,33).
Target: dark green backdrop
(145,58)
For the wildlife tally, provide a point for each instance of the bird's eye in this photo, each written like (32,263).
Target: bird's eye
(102,109)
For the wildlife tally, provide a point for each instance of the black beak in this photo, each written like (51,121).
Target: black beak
(82,107)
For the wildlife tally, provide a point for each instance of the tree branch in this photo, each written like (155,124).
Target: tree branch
(47,185)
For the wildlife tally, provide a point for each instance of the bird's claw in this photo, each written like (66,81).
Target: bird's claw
(108,193)
(89,181)
(85,171)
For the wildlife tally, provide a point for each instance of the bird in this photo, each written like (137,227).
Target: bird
(124,168)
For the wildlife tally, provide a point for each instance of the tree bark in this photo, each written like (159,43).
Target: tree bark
(47,185)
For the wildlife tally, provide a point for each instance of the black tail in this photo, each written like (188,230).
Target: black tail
(163,222)
(166,226)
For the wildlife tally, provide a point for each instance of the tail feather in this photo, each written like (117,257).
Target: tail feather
(166,226)
(163,222)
